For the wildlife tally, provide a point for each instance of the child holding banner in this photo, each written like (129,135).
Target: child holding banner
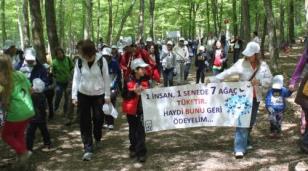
(250,68)
(133,108)
(275,104)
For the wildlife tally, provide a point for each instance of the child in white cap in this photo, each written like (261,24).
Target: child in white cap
(275,104)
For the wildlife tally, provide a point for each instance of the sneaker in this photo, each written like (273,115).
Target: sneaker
(239,155)
(105,126)
(249,147)
(110,127)
(141,159)
(87,156)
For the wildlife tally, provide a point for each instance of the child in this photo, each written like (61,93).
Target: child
(275,104)
(38,77)
(133,108)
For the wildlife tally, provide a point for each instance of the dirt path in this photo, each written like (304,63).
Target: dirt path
(183,149)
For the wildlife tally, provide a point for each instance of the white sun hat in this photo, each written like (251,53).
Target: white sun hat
(138,63)
(277,82)
(251,49)
(106,51)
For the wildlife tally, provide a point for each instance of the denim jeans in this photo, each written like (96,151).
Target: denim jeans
(60,89)
(168,77)
(242,135)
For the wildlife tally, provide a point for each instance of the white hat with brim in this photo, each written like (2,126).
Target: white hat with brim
(277,82)
(127,41)
(138,63)
(114,47)
(106,51)
(251,49)
(182,39)
(149,39)
(30,54)
(8,44)
(170,43)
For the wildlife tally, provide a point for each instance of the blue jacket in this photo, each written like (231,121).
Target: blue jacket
(115,74)
(276,99)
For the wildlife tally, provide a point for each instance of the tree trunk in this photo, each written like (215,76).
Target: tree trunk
(3,27)
(191,3)
(281,24)
(141,21)
(109,34)
(306,9)
(61,22)
(26,29)
(124,18)
(257,21)
(246,21)
(214,11)
(51,26)
(88,31)
(234,17)
(271,26)
(152,18)
(208,16)
(263,36)
(37,30)
(291,36)
(98,26)
(220,16)
(19,21)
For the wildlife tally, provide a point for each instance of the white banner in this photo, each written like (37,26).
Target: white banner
(226,104)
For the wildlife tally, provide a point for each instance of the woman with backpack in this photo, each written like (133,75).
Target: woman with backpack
(90,90)
(16,102)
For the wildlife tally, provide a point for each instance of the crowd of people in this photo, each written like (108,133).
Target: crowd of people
(31,91)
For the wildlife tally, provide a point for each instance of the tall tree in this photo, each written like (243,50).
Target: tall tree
(208,16)
(51,26)
(141,21)
(215,15)
(152,18)
(3,28)
(61,14)
(220,16)
(19,21)
(88,30)
(110,24)
(281,23)
(291,35)
(271,27)
(124,18)
(37,30)
(264,32)
(234,18)
(26,28)
(99,16)
(306,9)
(245,20)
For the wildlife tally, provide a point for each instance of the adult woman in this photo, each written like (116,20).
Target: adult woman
(16,101)
(91,89)
(219,58)
(252,69)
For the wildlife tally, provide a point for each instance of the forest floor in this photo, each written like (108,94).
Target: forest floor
(202,148)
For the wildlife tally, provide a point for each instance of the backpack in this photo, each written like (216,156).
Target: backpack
(99,62)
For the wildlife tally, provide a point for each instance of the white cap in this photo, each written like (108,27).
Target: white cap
(30,54)
(8,44)
(182,39)
(106,51)
(277,82)
(185,42)
(201,48)
(169,42)
(114,47)
(138,63)
(127,41)
(251,49)
(149,39)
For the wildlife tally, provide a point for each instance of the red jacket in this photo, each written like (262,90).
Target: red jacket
(130,104)
(152,70)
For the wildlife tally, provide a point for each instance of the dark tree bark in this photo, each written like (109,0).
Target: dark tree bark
(215,18)
(271,27)
(37,30)
(124,18)
(208,16)
(245,21)
(109,34)
(281,23)
(152,18)
(3,26)
(88,31)
(220,16)
(51,26)
(291,35)
(98,26)
(26,28)
(234,17)
(263,36)
(141,21)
